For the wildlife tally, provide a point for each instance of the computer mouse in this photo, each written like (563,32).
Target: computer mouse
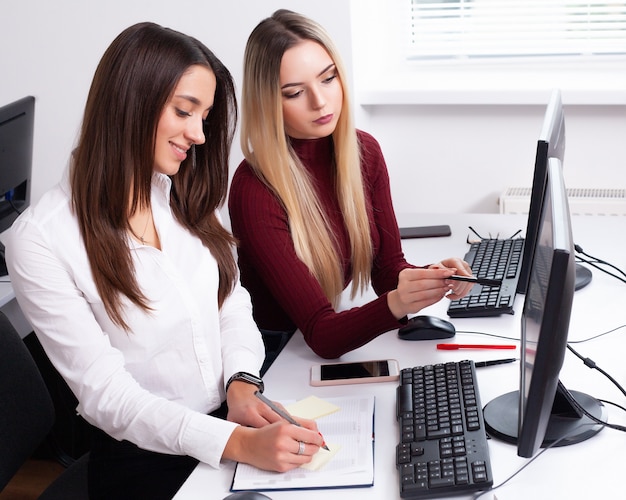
(247,495)
(426,328)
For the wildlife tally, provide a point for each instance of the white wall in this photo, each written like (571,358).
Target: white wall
(50,49)
(441,158)
(453,159)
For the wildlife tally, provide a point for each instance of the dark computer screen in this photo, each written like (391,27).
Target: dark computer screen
(543,412)
(551,144)
(16,156)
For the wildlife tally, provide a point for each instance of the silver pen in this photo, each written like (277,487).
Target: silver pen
(283,413)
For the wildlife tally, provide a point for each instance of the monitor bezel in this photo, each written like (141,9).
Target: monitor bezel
(551,143)
(539,378)
(16,178)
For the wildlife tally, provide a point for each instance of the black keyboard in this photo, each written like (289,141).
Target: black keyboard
(493,259)
(443,444)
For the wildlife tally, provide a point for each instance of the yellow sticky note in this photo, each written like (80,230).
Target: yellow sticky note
(312,407)
(322,457)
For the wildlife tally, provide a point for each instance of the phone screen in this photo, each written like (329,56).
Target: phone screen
(364,369)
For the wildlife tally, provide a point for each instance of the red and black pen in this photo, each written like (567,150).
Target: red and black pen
(454,347)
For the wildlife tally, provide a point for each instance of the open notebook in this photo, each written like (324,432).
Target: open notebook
(347,424)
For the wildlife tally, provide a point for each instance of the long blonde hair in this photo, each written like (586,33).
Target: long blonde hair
(267,149)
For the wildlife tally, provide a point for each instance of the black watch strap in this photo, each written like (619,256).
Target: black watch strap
(248,378)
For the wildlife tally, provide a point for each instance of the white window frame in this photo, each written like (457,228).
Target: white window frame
(384,73)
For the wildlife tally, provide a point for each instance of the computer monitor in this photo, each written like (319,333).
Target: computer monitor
(543,412)
(551,144)
(17,121)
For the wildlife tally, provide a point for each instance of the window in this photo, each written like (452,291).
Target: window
(487,28)
(489,50)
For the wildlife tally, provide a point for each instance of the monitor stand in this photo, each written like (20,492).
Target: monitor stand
(583,277)
(566,426)
(3,262)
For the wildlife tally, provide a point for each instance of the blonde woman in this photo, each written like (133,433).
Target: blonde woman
(311,205)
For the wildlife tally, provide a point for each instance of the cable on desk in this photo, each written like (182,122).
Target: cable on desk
(579,249)
(517,339)
(579,407)
(612,403)
(469,242)
(494,335)
(594,265)
(592,364)
(530,461)
(594,261)
(597,336)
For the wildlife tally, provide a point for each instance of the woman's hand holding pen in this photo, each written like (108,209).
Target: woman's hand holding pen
(265,439)
(420,288)
(274,447)
(458,289)
(245,408)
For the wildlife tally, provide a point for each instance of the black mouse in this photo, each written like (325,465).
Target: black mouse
(426,328)
(247,495)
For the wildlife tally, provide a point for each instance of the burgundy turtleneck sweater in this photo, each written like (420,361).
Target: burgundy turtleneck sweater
(284,293)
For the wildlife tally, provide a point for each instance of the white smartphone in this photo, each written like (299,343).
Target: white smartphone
(359,372)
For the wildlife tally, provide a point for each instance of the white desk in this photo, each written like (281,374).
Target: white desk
(592,469)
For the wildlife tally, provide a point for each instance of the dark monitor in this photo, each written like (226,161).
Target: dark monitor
(551,144)
(16,157)
(543,412)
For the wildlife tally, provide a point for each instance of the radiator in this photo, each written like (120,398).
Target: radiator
(582,201)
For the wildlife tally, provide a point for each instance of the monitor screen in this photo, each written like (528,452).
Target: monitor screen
(16,157)
(551,144)
(543,412)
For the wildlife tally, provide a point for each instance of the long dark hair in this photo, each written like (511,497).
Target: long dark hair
(112,165)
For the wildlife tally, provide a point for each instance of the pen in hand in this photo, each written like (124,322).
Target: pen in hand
(474,279)
(283,413)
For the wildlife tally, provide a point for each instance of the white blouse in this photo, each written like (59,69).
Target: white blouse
(154,384)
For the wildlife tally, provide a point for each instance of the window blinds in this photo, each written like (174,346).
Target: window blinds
(466,29)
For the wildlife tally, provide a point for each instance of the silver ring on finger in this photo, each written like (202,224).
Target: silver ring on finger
(301,446)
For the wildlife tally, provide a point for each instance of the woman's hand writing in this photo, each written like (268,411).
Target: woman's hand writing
(275,447)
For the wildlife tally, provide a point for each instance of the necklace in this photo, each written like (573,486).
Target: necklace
(141,238)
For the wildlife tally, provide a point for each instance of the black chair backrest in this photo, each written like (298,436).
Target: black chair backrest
(26,409)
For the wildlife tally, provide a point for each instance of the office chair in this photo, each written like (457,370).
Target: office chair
(27,415)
